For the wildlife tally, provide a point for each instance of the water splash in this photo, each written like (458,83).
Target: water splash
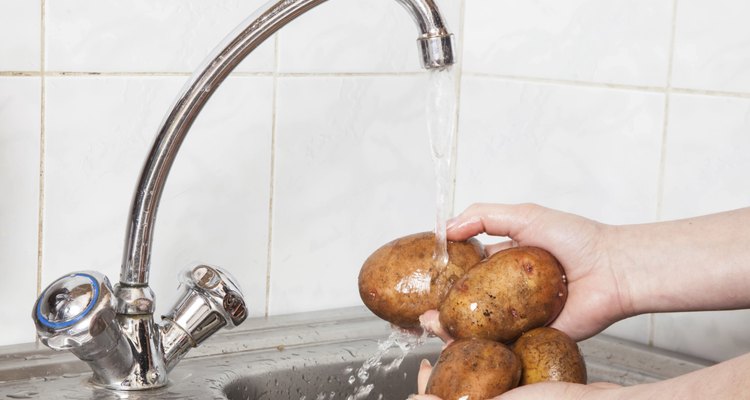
(398,344)
(400,341)
(441,107)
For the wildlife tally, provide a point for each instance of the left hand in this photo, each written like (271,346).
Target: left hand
(545,390)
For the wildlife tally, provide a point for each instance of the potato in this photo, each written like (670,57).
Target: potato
(511,292)
(547,354)
(400,280)
(474,369)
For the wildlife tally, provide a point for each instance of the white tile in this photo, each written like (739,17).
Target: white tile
(143,35)
(594,152)
(706,156)
(20,47)
(612,41)
(356,36)
(20,128)
(215,205)
(353,171)
(712,45)
(713,335)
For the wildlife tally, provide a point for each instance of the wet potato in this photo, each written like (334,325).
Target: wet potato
(548,354)
(474,369)
(400,280)
(511,292)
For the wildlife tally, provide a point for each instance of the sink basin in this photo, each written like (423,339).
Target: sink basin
(311,356)
(331,372)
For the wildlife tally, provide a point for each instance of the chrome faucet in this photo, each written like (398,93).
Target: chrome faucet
(113,329)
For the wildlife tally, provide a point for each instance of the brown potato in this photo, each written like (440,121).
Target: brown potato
(511,292)
(400,280)
(547,354)
(474,369)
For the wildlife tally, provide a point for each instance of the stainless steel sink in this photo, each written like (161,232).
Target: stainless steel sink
(330,372)
(312,356)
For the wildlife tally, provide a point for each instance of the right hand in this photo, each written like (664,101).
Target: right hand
(596,293)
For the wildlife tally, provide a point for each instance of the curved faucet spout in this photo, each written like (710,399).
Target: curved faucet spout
(436,46)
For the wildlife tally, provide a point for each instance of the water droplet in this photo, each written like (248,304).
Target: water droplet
(26,394)
(36,357)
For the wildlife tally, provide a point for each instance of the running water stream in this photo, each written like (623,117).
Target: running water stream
(440,108)
(441,103)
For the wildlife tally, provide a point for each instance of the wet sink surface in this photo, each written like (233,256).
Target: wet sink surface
(312,356)
(296,379)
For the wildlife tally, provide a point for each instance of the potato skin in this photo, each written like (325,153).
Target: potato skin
(400,281)
(474,369)
(511,292)
(548,354)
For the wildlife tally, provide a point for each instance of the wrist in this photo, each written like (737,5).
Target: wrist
(616,260)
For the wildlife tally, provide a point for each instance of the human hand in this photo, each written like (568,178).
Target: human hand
(723,381)
(544,390)
(597,296)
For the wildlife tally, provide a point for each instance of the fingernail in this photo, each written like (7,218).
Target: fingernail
(425,363)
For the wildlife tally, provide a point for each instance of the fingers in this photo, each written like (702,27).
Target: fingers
(561,391)
(424,397)
(425,369)
(430,322)
(493,219)
(491,249)
(546,390)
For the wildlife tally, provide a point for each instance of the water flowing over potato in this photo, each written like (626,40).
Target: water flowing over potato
(511,292)
(400,280)
(547,354)
(474,369)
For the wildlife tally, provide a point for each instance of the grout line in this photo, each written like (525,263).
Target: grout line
(349,74)
(514,78)
(188,74)
(19,73)
(272,176)
(601,85)
(42,150)
(567,82)
(116,73)
(711,93)
(663,156)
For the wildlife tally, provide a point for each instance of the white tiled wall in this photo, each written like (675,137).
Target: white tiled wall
(315,151)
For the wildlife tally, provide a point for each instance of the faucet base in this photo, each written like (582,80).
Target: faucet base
(132,365)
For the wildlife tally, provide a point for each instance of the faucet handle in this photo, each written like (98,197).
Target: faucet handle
(218,289)
(209,299)
(76,312)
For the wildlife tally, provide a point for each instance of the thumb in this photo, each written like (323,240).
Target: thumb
(559,391)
